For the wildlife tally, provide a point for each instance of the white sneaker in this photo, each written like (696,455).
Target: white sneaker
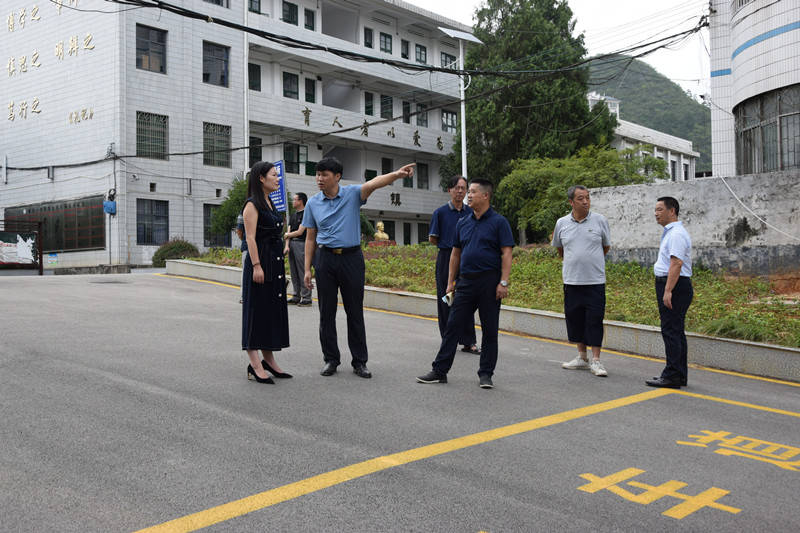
(597,369)
(576,364)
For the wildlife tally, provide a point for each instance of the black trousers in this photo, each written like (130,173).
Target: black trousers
(467,335)
(584,310)
(471,294)
(673,323)
(346,273)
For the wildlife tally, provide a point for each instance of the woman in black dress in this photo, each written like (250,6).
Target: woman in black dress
(265,318)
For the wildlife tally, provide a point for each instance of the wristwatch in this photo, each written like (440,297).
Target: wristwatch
(504,283)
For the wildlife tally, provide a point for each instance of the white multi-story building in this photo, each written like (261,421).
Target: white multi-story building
(175,97)
(678,153)
(755,86)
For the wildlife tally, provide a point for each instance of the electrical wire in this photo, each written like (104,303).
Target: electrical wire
(753,213)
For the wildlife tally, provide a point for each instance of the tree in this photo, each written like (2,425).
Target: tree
(539,115)
(223,218)
(533,195)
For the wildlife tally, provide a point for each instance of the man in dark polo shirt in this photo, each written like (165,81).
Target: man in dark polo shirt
(481,260)
(442,234)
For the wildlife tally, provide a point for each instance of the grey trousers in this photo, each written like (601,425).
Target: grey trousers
(297,255)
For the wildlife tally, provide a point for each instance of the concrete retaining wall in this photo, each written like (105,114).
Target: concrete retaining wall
(727,354)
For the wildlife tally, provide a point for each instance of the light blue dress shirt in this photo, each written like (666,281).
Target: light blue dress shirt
(675,241)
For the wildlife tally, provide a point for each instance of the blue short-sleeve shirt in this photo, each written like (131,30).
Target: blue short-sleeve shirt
(481,241)
(675,241)
(338,219)
(444,221)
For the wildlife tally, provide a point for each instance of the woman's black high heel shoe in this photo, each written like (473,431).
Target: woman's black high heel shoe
(251,374)
(279,375)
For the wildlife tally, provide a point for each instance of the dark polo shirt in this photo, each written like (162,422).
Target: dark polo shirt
(444,221)
(481,241)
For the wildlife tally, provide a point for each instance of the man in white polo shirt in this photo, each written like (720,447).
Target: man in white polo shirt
(674,292)
(583,240)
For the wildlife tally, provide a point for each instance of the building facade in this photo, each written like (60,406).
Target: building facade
(681,159)
(165,111)
(755,86)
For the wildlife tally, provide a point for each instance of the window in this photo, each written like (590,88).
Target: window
(217,240)
(255,150)
(685,172)
(152,135)
(311,90)
(66,225)
(422,115)
(421,54)
(295,157)
(407,112)
(387,106)
(216,145)
(151,49)
(790,141)
(291,84)
(368,37)
(448,121)
(388,227)
(406,233)
(254,6)
(386,43)
(369,104)
(387,165)
(215,64)
(369,174)
(422,232)
(254,76)
(448,60)
(223,3)
(290,13)
(673,169)
(409,181)
(152,221)
(422,175)
(404,45)
(309,19)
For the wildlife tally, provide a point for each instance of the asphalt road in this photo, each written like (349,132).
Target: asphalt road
(124,405)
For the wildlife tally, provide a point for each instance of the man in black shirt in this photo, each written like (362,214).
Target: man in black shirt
(295,248)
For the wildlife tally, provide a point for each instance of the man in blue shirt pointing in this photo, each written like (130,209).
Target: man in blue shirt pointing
(481,260)
(332,220)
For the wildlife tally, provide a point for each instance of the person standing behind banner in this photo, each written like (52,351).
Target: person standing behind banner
(296,249)
(332,219)
(442,234)
(243,248)
(265,317)
(674,293)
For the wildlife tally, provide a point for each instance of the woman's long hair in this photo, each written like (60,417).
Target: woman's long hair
(254,187)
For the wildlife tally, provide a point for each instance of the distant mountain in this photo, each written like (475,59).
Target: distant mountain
(652,100)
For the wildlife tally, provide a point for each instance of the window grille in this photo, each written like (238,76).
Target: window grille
(152,135)
(152,221)
(216,145)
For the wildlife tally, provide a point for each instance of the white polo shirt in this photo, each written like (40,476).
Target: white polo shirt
(675,241)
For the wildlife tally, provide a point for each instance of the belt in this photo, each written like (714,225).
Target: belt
(663,279)
(341,251)
(477,275)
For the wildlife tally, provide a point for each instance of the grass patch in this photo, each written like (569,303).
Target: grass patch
(739,308)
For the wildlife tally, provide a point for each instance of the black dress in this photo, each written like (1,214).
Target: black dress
(265,318)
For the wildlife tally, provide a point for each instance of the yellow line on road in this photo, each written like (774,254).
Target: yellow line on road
(294,490)
(542,339)
(740,404)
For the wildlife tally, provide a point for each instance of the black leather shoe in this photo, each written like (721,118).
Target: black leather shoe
(361,371)
(329,369)
(663,383)
(683,382)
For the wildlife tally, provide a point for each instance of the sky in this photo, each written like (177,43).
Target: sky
(612,26)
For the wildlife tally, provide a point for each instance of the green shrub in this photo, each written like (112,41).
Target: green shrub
(175,249)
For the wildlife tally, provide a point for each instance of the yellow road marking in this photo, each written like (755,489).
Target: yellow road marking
(277,495)
(740,404)
(542,339)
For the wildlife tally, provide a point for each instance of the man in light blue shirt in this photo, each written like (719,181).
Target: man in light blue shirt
(332,220)
(674,292)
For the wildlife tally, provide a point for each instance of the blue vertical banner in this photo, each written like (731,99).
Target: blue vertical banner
(279,197)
